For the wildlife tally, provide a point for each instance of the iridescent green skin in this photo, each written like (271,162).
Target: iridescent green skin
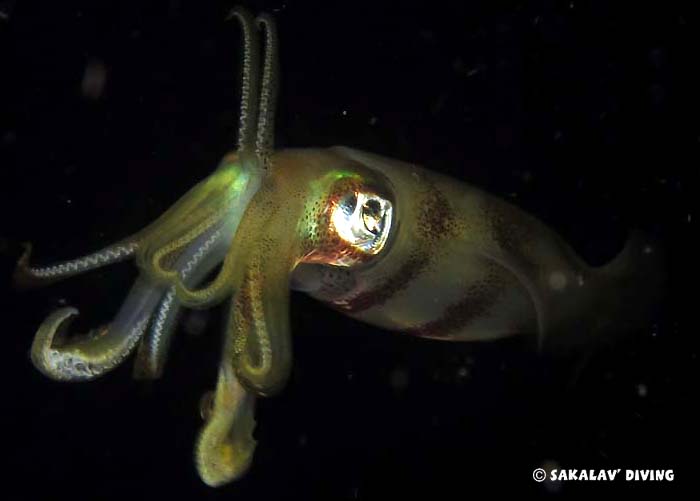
(380,240)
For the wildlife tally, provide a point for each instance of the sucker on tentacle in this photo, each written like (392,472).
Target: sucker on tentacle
(27,276)
(264,143)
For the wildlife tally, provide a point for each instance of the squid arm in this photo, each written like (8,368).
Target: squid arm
(225,447)
(92,355)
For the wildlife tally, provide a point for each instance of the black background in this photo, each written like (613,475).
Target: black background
(583,113)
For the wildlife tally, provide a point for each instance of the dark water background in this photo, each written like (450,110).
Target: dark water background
(583,113)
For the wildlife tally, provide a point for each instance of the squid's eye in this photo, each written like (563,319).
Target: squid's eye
(373,216)
(363,220)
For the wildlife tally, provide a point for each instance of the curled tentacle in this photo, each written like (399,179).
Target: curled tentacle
(177,252)
(214,292)
(259,323)
(208,249)
(225,447)
(169,251)
(99,352)
(247,185)
(199,259)
(207,204)
(264,253)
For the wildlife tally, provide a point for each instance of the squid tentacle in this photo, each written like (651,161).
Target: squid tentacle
(209,248)
(268,94)
(156,266)
(256,122)
(222,285)
(250,80)
(202,256)
(99,352)
(212,293)
(257,341)
(258,330)
(197,211)
(225,447)
(152,350)
(255,119)
(176,252)
(28,276)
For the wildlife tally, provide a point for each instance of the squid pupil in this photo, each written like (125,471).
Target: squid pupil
(372,216)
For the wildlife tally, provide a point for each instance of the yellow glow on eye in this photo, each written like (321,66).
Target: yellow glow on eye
(363,220)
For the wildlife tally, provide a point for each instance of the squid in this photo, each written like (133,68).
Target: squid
(380,240)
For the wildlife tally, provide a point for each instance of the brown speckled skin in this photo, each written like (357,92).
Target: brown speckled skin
(285,225)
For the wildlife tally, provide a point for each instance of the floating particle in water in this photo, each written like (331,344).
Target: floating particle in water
(9,138)
(642,390)
(426,35)
(275,10)
(557,281)
(398,379)
(6,7)
(94,79)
